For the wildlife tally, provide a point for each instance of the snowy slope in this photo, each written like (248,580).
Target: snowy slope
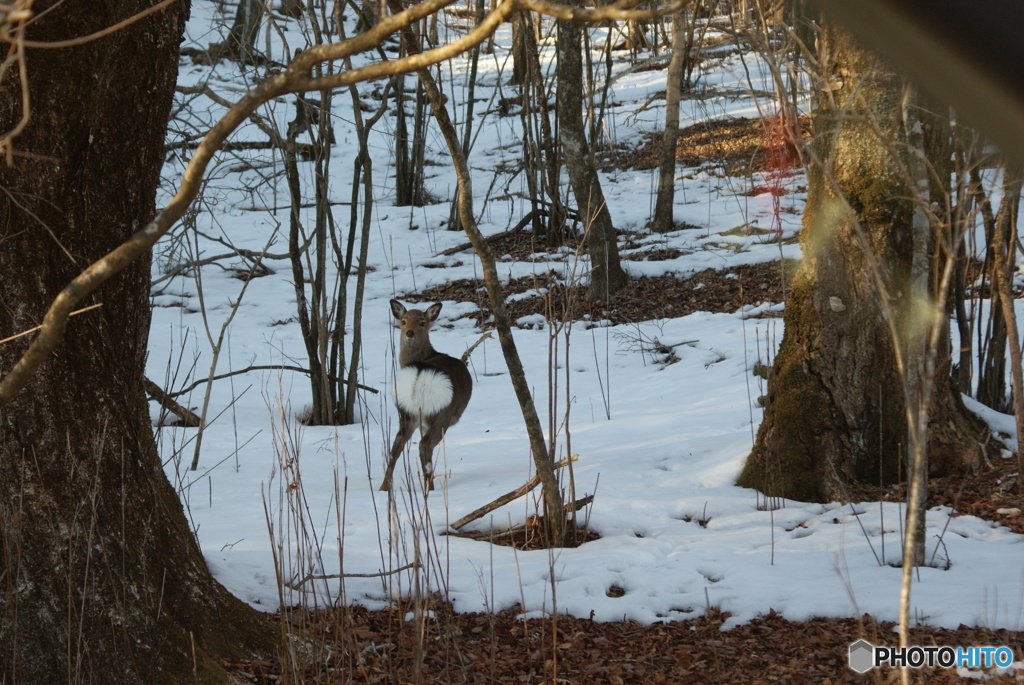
(660,446)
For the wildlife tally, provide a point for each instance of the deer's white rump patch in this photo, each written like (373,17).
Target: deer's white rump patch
(422,391)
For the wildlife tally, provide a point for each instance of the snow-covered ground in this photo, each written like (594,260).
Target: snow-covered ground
(659,445)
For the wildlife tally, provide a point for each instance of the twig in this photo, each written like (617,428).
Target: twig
(295,585)
(465,355)
(508,497)
(96,35)
(271,367)
(74,313)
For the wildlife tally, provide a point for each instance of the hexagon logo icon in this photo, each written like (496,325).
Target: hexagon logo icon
(862,656)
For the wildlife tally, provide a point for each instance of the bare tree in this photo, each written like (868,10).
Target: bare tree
(607,275)
(1004,250)
(244,30)
(541,150)
(999,261)
(663,220)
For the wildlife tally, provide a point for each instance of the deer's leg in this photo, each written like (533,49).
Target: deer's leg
(428,441)
(406,425)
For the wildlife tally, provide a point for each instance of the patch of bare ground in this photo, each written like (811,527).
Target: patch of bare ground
(989,494)
(644,299)
(740,145)
(359,646)
(525,246)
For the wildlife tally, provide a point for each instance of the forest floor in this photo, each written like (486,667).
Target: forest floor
(394,646)
(435,644)
(383,647)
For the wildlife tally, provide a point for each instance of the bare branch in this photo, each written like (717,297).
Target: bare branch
(465,355)
(295,585)
(36,328)
(297,77)
(509,496)
(273,367)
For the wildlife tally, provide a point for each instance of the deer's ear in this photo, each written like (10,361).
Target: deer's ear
(398,309)
(432,311)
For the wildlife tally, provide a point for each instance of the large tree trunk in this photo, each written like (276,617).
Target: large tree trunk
(102,580)
(606,276)
(835,417)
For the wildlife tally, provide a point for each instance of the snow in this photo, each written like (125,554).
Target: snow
(659,445)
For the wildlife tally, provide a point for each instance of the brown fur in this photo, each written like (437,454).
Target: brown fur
(415,348)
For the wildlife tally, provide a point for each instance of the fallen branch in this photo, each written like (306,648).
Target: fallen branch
(510,496)
(188,418)
(579,504)
(304,150)
(238,254)
(496,535)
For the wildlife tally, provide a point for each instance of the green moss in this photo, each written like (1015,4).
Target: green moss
(783,461)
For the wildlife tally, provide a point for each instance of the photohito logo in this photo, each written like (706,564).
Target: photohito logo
(864,656)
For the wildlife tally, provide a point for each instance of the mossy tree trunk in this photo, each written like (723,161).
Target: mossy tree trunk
(835,418)
(102,580)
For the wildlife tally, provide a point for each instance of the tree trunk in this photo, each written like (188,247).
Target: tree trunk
(244,30)
(1004,249)
(663,208)
(542,164)
(102,578)
(992,375)
(606,276)
(835,417)
(524,48)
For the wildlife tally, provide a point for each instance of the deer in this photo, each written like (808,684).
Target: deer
(431,389)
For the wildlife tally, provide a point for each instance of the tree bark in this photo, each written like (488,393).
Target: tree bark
(102,578)
(606,275)
(835,417)
(663,208)
(992,375)
(244,30)
(1004,248)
